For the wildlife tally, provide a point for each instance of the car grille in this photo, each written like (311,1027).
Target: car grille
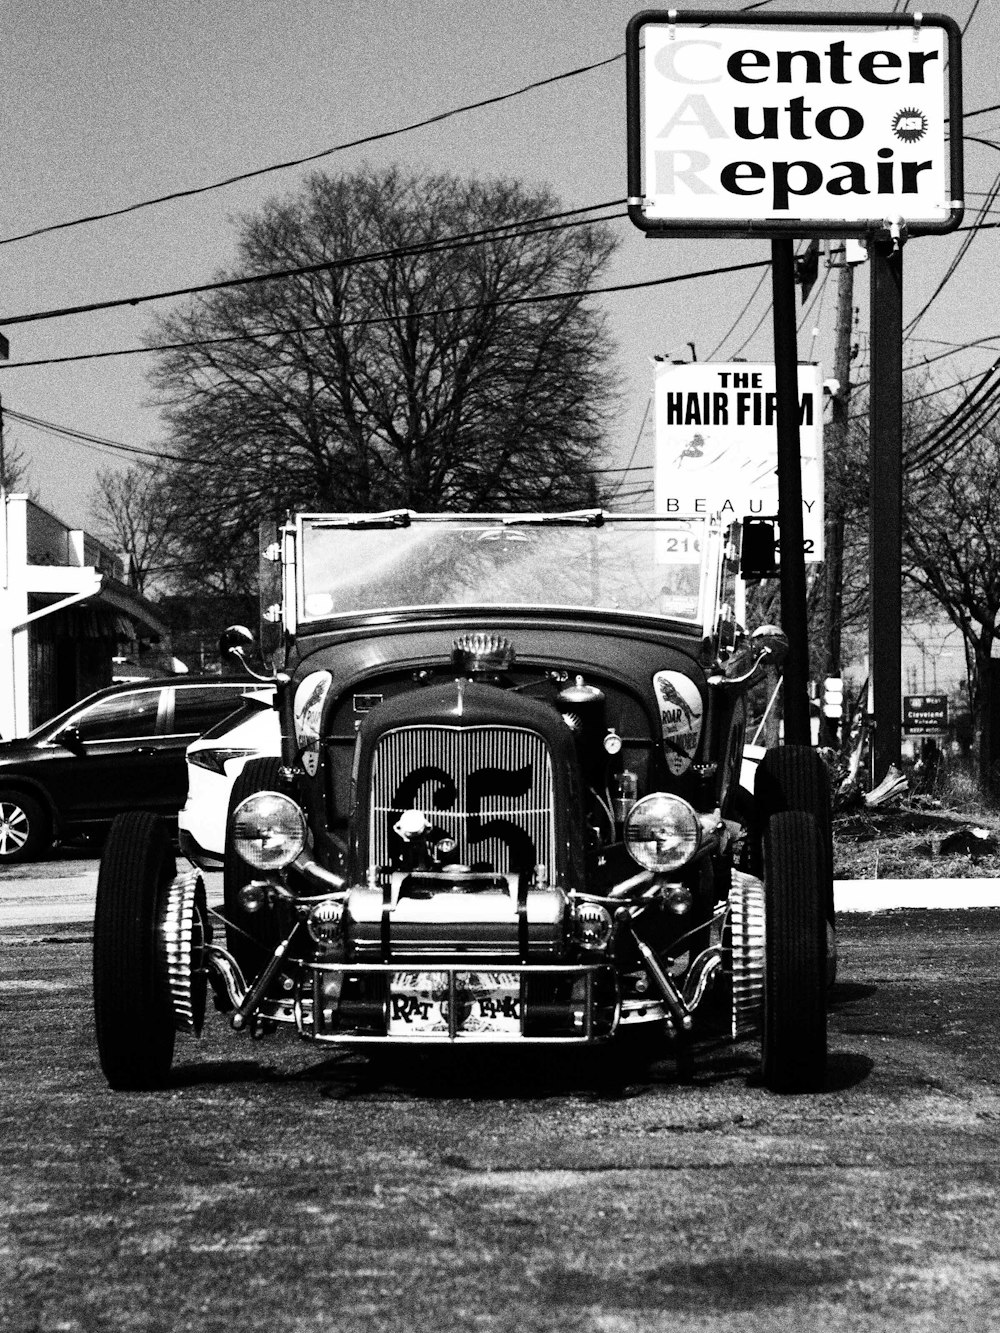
(489,788)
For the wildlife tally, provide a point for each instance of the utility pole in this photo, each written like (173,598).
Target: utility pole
(836,450)
(885,517)
(795,684)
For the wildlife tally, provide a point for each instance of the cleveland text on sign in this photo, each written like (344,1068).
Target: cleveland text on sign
(925,714)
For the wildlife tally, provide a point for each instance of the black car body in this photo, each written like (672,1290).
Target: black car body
(121,748)
(507,810)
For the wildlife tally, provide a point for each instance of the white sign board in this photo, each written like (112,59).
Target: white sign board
(754,124)
(717,443)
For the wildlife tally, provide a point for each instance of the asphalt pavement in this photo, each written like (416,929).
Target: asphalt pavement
(62,890)
(59,891)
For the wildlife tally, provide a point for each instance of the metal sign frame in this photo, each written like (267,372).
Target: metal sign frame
(791,227)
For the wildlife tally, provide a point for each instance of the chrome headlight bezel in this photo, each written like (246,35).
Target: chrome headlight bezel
(307,709)
(269,830)
(662,832)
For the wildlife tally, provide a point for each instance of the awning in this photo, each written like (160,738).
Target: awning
(112,611)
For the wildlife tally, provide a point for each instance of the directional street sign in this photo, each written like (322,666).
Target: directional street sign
(925,714)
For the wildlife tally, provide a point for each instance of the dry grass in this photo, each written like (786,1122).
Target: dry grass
(914,837)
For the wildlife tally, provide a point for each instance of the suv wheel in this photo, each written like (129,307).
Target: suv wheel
(132,1007)
(24,830)
(794,1044)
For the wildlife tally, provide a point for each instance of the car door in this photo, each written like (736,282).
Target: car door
(109,758)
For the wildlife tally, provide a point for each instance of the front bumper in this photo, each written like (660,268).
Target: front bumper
(444,1004)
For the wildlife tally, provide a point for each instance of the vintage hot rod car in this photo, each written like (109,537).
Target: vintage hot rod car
(507,809)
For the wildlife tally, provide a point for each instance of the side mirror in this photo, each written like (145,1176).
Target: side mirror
(772,640)
(234,644)
(70,738)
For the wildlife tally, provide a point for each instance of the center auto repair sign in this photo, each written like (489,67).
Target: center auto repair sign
(749,125)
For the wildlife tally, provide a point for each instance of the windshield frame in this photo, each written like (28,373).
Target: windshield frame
(294,599)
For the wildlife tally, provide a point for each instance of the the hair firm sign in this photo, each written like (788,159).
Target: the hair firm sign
(716,443)
(753,125)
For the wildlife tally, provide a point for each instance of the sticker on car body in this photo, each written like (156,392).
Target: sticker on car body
(681,710)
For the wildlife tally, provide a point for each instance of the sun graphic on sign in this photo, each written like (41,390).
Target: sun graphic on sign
(910,124)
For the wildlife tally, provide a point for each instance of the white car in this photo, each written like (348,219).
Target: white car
(214,762)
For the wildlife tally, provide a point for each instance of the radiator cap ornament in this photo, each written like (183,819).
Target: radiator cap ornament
(480,653)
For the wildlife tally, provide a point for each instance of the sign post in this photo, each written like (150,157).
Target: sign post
(807,125)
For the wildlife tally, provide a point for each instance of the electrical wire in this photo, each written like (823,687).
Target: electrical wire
(972,15)
(458,241)
(376,137)
(311,157)
(635,448)
(732,327)
(90,441)
(537,299)
(962,251)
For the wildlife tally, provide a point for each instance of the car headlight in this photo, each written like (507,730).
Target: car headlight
(269,830)
(310,696)
(662,832)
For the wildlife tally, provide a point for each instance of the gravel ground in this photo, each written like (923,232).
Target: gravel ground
(271,1187)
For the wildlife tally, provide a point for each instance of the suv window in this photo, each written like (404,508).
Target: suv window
(198,707)
(122,717)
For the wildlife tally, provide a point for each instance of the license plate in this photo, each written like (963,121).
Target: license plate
(486,1002)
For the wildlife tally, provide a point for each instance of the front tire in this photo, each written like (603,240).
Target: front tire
(794,1040)
(24,828)
(794,777)
(133,1012)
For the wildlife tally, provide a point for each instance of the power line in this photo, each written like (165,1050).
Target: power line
(963,250)
(461,240)
(376,137)
(336,148)
(311,157)
(90,441)
(387,319)
(506,230)
(635,447)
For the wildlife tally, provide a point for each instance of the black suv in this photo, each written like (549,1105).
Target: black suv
(119,749)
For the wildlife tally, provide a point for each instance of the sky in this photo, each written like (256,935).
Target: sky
(106,103)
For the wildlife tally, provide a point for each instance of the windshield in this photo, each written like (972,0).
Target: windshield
(348,564)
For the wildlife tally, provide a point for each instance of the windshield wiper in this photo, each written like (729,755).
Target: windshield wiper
(584,518)
(392,518)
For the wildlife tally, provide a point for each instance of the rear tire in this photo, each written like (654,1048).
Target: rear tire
(24,828)
(251,937)
(794,1040)
(133,1012)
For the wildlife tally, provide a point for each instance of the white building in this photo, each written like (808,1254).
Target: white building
(66,611)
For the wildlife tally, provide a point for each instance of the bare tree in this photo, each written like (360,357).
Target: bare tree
(15,471)
(952,546)
(133,513)
(405,369)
